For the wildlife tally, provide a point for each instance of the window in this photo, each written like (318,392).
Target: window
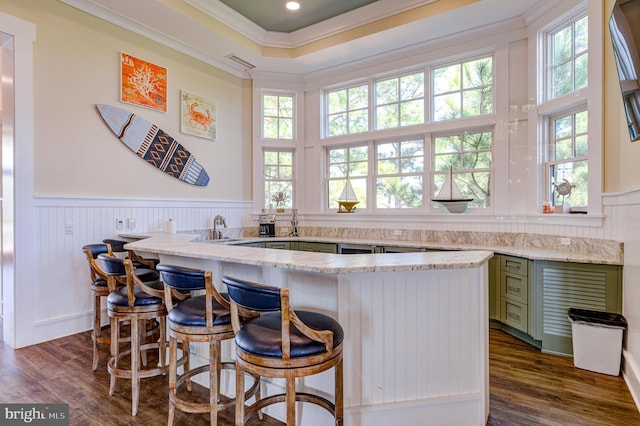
(278,179)
(463,90)
(468,157)
(347,110)
(348,165)
(277,116)
(567,159)
(568,58)
(399,170)
(400,101)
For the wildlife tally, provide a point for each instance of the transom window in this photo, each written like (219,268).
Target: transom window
(348,110)
(568,58)
(277,116)
(278,178)
(400,101)
(399,172)
(567,165)
(467,157)
(463,90)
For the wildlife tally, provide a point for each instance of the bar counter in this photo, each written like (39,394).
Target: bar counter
(416,324)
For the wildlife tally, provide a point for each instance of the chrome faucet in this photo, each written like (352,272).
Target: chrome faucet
(218,220)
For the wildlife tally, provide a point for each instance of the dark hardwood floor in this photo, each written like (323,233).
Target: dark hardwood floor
(527,388)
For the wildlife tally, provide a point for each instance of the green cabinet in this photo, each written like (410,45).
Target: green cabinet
(559,286)
(282,245)
(317,247)
(514,292)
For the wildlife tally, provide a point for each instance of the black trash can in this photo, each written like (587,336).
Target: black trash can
(597,340)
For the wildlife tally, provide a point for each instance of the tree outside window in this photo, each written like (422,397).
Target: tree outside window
(468,157)
(463,90)
(347,110)
(277,117)
(278,179)
(399,170)
(568,58)
(400,101)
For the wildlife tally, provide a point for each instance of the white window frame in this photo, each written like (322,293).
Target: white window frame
(461,91)
(266,198)
(277,117)
(327,116)
(591,96)
(399,102)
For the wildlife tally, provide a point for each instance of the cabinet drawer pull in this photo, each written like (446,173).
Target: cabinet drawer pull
(513,315)
(513,289)
(513,265)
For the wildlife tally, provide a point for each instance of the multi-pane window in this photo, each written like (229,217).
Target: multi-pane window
(277,116)
(467,157)
(348,165)
(347,110)
(400,101)
(399,171)
(463,90)
(567,164)
(568,58)
(278,178)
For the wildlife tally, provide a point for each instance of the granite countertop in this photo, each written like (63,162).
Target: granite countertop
(188,245)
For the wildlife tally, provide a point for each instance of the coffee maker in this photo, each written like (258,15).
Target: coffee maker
(267,225)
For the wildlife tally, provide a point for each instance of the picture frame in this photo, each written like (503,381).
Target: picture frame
(198,116)
(142,83)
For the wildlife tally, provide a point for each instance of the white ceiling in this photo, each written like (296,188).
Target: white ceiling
(211,31)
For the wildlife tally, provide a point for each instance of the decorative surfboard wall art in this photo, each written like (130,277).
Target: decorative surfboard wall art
(154,145)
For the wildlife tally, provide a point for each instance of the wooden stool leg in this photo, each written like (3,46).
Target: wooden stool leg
(239,396)
(115,351)
(173,376)
(135,365)
(187,364)
(97,330)
(163,342)
(214,379)
(339,403)
(291,398)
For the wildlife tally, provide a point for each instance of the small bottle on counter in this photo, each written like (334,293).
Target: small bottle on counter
(547,207)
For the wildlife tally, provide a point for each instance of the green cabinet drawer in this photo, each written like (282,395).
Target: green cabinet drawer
(318,247)
(282,245)
(514,314)
(515,265)
(514,286)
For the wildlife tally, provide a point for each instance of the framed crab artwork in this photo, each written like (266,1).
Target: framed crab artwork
(198,116)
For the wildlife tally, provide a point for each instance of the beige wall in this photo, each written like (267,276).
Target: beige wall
(77,66)
(621,157)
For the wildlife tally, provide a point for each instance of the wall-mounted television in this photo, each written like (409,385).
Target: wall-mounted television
(625,35)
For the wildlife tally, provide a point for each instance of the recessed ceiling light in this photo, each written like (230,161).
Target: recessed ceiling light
(293,5)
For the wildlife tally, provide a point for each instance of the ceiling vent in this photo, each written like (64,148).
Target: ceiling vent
(244,64)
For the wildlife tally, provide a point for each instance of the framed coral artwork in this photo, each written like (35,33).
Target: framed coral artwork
(142,83)
(198,116)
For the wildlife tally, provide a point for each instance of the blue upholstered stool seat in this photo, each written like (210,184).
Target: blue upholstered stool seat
(119,297)
(192,312)
(262,336)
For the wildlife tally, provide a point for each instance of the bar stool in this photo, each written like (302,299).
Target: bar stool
(101,285)
(100,290)
(136,302)
(282,343)
(203,318)
(117,247)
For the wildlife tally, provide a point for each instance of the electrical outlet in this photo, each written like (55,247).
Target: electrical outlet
(397,232)
(131,223)
(119,223)
(565,241)
(68,228)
